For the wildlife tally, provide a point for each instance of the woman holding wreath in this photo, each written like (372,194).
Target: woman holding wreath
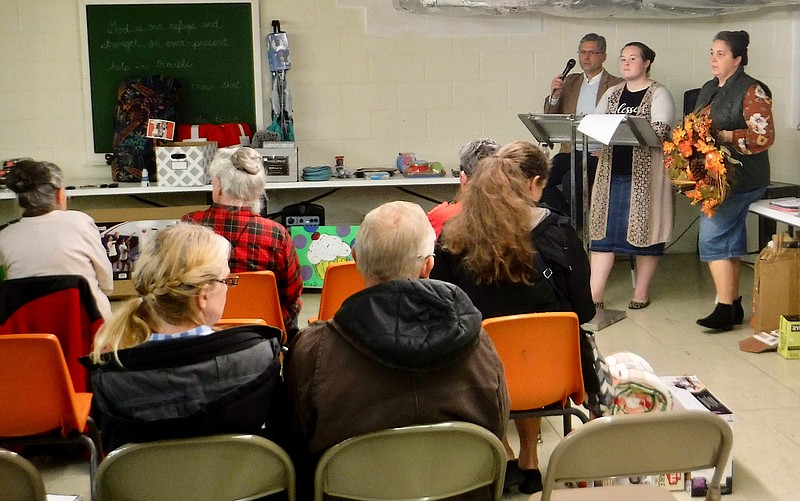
(740,108)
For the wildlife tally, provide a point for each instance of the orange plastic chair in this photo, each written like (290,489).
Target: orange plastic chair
(226,323)
(255,297)
(57,304)
(342,280)
(39,404)
(542,360)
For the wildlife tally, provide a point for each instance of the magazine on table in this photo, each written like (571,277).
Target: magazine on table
(786,204)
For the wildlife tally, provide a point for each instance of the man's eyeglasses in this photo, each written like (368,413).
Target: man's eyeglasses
(589,52)
(231,281)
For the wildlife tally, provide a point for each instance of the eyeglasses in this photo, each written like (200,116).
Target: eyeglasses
(589,52)
(231,281)
(426,256)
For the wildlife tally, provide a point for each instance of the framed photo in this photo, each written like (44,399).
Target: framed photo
(160,129)
(123,242)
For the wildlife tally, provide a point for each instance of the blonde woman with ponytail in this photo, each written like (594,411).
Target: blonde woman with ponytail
(159,370)
(488,250)
(177,278)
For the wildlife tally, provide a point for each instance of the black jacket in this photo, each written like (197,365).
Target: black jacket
(226,382)
(416,325)
(556,240)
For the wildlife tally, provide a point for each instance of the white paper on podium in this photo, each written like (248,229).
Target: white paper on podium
(600,127)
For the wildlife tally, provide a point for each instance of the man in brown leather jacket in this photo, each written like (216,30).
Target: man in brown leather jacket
(577,93)
(406,350)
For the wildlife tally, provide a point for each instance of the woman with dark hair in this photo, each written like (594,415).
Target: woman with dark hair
(49,239)
(258,243)
(740,108)
(488,250)
(631,211)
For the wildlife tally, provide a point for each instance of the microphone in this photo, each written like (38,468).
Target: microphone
(569,66)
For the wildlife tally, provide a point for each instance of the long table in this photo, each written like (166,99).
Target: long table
(762,208)
(93,188)
(89,195)
(769,217)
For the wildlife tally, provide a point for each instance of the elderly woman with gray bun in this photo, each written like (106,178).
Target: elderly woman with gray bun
(49,239)
(257,243)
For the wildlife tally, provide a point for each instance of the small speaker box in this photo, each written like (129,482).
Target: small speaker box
(303,214)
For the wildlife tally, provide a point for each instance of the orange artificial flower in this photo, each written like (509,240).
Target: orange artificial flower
(696,165)
(686,149)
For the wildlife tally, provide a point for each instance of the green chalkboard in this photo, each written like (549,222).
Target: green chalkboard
(209,46)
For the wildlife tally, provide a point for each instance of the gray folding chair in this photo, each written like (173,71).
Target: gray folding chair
(427,462)
(19,479)
(636,445)
(217,467)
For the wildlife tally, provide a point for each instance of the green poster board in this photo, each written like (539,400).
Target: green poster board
(213,48)
(318,247)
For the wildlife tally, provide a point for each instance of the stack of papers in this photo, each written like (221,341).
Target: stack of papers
(787,204)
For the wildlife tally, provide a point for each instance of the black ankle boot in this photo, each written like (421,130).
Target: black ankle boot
(514,475)
(738,313)
(532,482)
(722,318)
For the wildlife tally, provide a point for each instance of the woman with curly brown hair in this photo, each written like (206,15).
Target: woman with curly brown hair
(488,250)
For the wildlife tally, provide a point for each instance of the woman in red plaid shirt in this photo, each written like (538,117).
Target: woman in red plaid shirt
(257,243)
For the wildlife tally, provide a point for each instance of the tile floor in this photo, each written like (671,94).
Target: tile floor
(763,390)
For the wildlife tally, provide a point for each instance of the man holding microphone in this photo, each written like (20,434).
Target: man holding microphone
(576,93)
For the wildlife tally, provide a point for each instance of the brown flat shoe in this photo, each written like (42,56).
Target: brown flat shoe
(637,305)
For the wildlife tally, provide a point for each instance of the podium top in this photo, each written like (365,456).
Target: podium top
(623,130)
(551,128)
(608,129)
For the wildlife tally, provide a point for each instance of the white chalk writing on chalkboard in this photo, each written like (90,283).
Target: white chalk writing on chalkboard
(128,45)
(179,26)
(190,40)
(180,63)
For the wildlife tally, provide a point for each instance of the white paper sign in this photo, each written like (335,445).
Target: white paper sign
(600,127)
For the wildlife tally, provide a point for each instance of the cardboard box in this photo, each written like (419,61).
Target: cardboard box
(184,164)
(688,392)
(789,337)
(776,283)
(280,161)
(670,481)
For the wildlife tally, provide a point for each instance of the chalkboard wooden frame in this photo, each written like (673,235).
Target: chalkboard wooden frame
(95,155)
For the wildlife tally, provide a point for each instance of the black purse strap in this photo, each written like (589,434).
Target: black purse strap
(547,273)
